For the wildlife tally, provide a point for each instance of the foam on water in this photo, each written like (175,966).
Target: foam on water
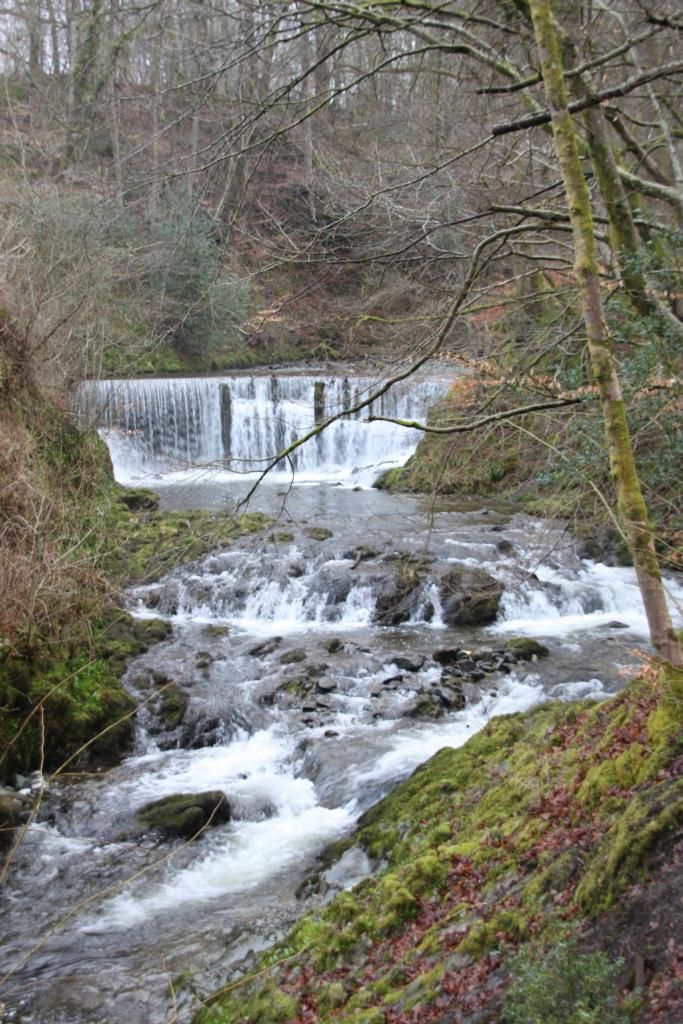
(247,857)
(591,597)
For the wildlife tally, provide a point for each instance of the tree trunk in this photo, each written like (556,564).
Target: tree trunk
(630,501)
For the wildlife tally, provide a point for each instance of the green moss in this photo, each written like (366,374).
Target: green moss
(372,1016)
(393,479)
(484,936)
(173,706)
(185,814)
(427,873)
(141,543)
(79,693)
(648,820)
(397,903)
(269,1005)
(422,990)
(331,996)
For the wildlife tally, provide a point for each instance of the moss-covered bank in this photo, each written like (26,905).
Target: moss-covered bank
(61,697)
(70,541)
(533,830)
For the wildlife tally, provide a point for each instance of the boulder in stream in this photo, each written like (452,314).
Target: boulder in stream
(186,814)
(398,596)
(318,532)
(469,597)
(524,648)
(14,812)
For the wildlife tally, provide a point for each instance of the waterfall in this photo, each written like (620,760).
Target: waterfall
(240,423)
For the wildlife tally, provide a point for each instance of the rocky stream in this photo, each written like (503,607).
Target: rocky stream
(310,668)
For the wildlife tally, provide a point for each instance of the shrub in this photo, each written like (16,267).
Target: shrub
(196,304)
(563,986)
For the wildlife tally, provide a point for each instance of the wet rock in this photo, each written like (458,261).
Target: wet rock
(505,547)
(333,584)
(172,706)
(451,697)
(398,597)
(326,685)
(14,812)
(616,625)
(186,814)
(409,663)
(425,706)
(317,670)
(452,672)
(362,553)
(318,532)
(447,655)
(295,570)
(465,662)
(202,732)
(473,692)
(469,596)
(212,630)
(333,646)
(525,649)
(203,659)
(293,657)
(267,647)
(392,681)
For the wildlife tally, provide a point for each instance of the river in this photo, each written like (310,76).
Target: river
(297,702)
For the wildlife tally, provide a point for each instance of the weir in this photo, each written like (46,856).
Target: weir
(240,423)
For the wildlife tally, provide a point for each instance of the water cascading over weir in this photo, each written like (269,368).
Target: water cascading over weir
(240,423)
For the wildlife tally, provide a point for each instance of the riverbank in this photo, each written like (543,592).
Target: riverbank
(527,875)
(552,463)
(72,541)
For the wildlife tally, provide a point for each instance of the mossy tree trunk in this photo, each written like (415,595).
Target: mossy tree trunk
(630,502)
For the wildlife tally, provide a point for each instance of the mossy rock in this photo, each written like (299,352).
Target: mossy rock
(215,630)
(469,597)
(293,657)
(318,532)
(186,814)
(526,649)
(139,499)
(88,715)
(173,706)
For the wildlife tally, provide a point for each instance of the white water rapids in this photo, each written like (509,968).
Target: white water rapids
(300,707)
